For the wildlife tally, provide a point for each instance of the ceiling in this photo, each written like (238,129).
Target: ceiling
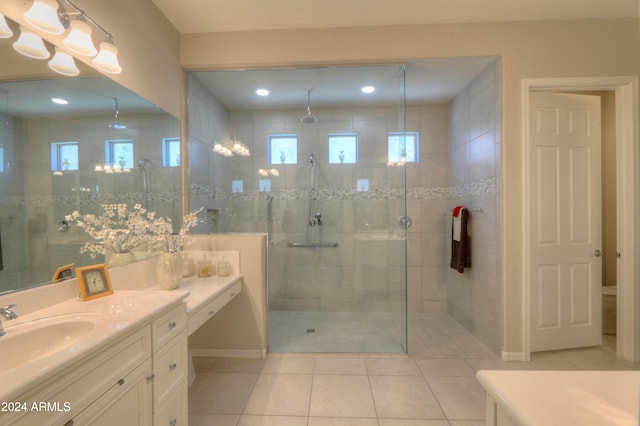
(198,16)
(428,81)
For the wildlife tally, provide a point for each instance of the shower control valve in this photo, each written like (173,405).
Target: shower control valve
(404,222)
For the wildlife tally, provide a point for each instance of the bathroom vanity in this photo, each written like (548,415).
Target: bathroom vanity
(108,360)
(561,397)
(105,361)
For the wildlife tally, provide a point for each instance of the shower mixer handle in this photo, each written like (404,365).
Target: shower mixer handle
(318,217)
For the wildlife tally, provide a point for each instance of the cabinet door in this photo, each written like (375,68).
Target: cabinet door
(127,403)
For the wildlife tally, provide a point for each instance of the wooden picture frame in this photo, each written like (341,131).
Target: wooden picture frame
(94,281)
(63,273)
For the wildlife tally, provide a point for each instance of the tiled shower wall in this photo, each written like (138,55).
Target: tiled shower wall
(474,297)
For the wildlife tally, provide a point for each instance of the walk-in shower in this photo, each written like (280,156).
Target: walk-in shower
(337,275)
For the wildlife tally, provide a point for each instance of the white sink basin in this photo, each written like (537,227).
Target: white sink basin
(35,339)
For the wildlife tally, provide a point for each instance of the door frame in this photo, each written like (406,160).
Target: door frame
(628,201)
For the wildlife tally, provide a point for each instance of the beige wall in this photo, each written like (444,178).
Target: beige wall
(148,46)
(528,50)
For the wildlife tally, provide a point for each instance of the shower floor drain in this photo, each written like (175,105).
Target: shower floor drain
(311,330)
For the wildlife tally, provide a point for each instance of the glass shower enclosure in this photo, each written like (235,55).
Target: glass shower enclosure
(318,165)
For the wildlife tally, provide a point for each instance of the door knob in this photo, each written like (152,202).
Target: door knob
(597,253)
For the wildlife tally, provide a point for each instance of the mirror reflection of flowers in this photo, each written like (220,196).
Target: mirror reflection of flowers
(118,229)
(162,236)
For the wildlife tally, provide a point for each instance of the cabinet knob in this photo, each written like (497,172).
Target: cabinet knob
(151,378)
(121,382)
(211,313)
(173,366)
(172,325)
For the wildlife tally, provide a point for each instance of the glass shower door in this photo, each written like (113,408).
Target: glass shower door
(325,185)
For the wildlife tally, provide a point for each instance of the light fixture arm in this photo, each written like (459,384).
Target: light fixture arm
(86,17)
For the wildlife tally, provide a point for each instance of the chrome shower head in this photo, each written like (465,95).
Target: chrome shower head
(115,124)
(309,118)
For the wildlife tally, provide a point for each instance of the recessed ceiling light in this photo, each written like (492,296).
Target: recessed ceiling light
(262,92)
(59,101)
(368,89)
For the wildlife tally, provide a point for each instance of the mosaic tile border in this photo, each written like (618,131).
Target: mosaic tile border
(479,187)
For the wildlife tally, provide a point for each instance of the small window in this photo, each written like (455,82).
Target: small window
(265,185)
(119,153)
(343,148)
(237,185)
(1,158)
(283,149)
(171,152)
(64,156)
(403,147)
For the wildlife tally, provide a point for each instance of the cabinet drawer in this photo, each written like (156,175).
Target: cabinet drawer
(127,403)
(170,366)
(174,411)
(169,325)
(202,315)
(86,382)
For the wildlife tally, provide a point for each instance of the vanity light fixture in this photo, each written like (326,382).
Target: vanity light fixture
(368,89)
(5,31)
(262,92)
(43,16)
(30,44)
(63,63)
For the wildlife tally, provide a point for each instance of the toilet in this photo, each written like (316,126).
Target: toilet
(609,309)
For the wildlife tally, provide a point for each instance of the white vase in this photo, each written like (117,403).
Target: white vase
(169,270)
(119,258)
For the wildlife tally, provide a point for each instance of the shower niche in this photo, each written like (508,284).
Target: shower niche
(336,255)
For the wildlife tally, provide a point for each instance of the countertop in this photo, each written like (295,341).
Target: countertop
(565,397)
(116,313)
(203,290)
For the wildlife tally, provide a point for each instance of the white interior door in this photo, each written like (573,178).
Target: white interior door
(565,273)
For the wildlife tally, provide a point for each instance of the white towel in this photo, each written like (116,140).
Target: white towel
(457,222)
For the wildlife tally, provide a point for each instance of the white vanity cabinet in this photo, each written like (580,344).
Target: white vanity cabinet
(138,379)
(170,368)
(88,382)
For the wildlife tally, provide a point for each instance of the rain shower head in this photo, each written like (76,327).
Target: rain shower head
(115,124)
(309,118)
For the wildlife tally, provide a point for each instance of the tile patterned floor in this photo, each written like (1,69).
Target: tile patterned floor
(433,386)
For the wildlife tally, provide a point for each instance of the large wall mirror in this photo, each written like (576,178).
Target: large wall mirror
(52,162)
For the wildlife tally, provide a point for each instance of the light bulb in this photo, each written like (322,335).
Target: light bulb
(107,59)
(30,44)
(5,31)
(43,16)
(79,39)
(63,63)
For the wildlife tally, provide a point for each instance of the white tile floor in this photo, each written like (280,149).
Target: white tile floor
(433,386)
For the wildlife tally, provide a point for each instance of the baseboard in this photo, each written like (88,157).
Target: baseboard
(229,353)
(513,356)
